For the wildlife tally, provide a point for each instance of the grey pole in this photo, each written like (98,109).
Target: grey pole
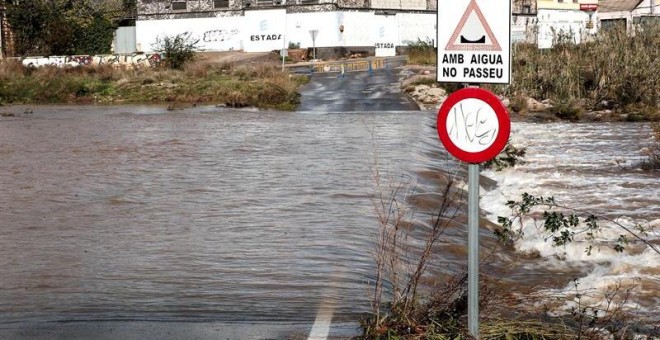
(473,249)
(314,33)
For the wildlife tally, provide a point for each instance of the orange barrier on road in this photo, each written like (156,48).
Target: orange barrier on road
(349,66)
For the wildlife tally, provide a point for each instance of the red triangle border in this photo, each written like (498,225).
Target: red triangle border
(495,46)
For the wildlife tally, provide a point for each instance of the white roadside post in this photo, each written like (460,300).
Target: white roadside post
(314,34)
(474,47)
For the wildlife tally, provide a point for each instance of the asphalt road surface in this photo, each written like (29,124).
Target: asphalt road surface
(379,90)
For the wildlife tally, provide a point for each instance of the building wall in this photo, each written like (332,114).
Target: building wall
(614,15)
(558,4)
(273,29)
(645,8)
(166,9)
(523,28)
(523,7)
(214,34)
(399,4)
(553,23)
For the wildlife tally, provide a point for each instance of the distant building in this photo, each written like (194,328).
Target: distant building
(570,20)
(373,26)
(627,12)
(523,21)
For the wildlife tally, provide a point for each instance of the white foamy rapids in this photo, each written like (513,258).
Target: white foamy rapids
(582,166)
(605,288)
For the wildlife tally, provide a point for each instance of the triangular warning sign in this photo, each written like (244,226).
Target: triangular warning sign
(473,32)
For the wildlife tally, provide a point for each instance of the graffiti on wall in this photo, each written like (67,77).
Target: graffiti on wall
(132,60)
(219,35)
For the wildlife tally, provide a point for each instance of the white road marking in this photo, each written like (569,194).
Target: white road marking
(321,328)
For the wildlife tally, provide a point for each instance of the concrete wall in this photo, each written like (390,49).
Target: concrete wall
(399,4)
(645,8)
(214,34)
(523,28)
(118,60)
(161,9)
(124,40)
(267,30)
(555,4)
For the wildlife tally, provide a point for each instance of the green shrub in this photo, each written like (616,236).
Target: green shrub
(178,50)
(566,109)
(509,157)
(519,104)
(52,28)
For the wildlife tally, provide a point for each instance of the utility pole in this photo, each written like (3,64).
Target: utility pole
(652,5)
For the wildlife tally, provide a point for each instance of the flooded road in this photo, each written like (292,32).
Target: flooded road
(207,214)
(133,213)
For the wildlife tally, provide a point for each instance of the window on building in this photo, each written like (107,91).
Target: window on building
(575,1)
(179,5)
(560,1)
(607,24)
(220,3)
(526,9)
(648,20)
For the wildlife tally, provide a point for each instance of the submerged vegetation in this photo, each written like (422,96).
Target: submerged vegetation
(652,153)
(413,298)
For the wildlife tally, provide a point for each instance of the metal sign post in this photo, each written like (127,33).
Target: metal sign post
(474,126)
(314,34)
(473,249)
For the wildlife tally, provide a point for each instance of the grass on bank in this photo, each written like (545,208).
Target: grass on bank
(262,85)
(614,70)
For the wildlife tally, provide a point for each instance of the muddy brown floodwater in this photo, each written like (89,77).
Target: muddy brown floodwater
(136,213)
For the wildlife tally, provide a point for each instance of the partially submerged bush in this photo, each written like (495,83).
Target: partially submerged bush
(508,158)
(519,103)
(652,153)
(566,110)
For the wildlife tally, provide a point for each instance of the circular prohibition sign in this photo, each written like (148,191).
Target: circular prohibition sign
(473,125)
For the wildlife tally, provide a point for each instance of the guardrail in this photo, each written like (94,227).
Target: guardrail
(349,65)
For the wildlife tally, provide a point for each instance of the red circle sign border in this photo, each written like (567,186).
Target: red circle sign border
(504,123)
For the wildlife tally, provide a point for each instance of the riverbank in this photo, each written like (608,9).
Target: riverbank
(609,78)
(237,80)
(420,83)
